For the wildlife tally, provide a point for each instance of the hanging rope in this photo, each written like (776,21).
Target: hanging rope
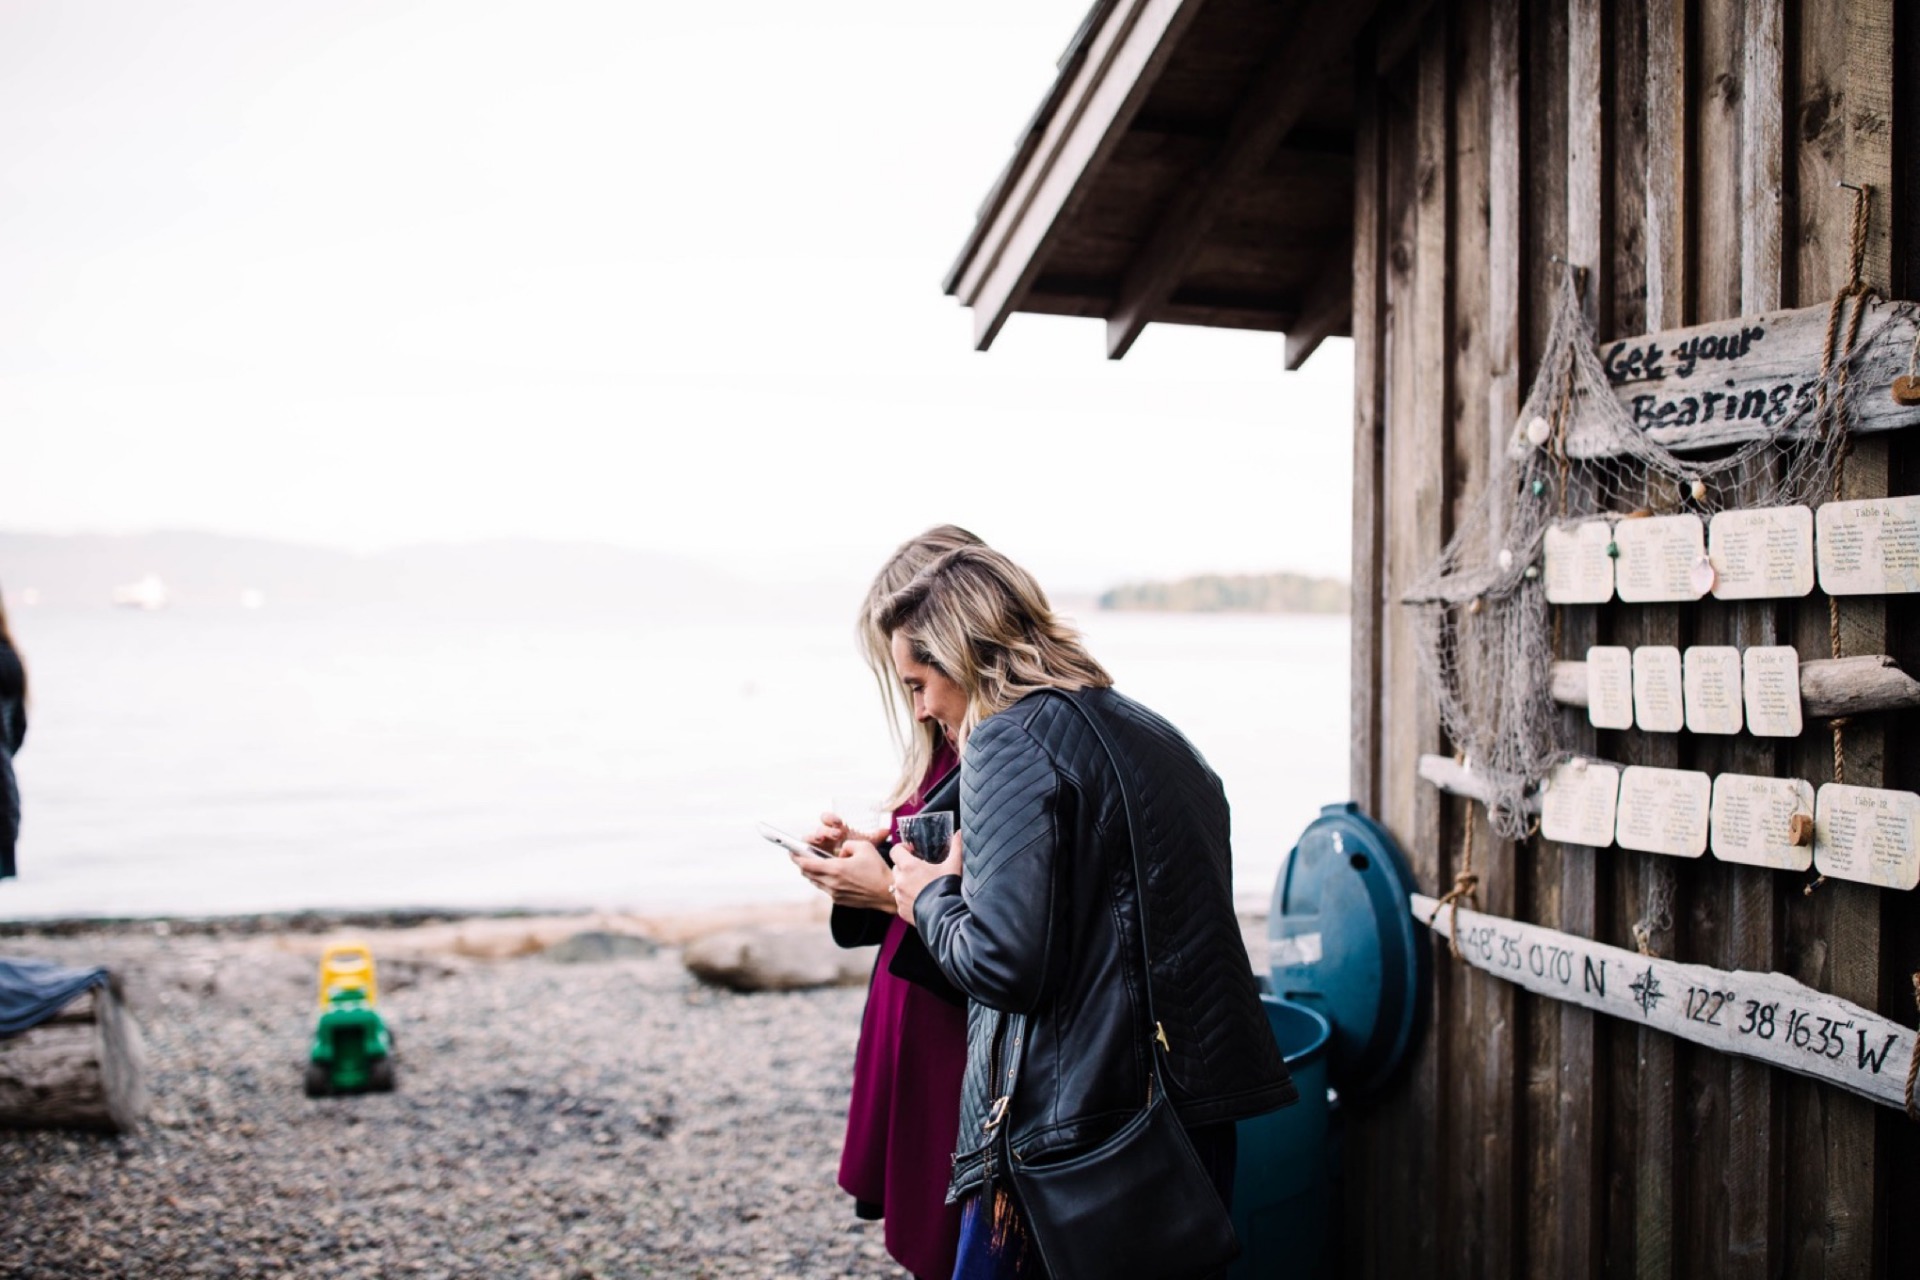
(1832,415)
(1465,889)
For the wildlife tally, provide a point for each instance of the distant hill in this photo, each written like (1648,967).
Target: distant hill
(1233,593)
(515,575)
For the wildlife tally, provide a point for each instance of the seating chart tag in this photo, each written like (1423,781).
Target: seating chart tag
(1657,558)
(1761,555)
(1871,547)
(1753,821)
(1869,835)
(1664,811)
(1579,804)
(1578,568)
(1658,699)
(1771,683)
(1712,676)
(1610,687)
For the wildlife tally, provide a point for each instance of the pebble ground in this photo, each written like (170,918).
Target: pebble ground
(564,1121)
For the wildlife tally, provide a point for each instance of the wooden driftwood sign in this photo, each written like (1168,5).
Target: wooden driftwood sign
(1766,1016)
(1742,379)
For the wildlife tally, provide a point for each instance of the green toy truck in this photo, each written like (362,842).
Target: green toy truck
(352,1047)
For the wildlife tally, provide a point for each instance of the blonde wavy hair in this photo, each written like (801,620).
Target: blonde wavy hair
(983,622)
(917,742)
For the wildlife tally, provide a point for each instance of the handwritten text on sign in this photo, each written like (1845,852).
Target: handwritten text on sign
(1767,1016)
(1745,378)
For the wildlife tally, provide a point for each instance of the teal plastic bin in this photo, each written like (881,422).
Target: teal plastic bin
(1345,992)
(1283,1186)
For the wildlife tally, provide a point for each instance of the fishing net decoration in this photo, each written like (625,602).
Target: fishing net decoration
(1482,623)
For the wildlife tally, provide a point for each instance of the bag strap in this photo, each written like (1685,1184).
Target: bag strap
(1016,1053)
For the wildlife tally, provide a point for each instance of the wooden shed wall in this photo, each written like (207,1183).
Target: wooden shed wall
(1686,151)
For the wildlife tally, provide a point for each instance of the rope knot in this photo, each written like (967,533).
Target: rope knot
(1466,887)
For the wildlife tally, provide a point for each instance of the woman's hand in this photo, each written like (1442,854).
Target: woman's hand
(834,832)
(856,877)
(911,875)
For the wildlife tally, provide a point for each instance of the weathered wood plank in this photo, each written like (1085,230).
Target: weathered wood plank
(1542,146)
(1369,424)
(1853,1202)
(1717,235)
(1371,1144)
(1422,527)
(1643,1135)
(1753,1111)
(1410,502)
(1484,261)
(1581,1114)
(1769,1017)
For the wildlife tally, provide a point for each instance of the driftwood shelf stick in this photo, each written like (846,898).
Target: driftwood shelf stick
(1829,687)
(1456,779)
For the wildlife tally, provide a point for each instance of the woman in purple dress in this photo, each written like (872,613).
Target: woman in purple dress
(905,1110)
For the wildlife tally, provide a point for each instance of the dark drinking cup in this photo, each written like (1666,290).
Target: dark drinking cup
(929,834)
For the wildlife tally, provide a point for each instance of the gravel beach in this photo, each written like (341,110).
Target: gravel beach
(572,1103)
(604,1117)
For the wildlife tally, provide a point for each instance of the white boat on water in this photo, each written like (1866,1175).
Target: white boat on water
(149,593)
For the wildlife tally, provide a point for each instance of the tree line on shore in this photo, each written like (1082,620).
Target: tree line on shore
(1232,593)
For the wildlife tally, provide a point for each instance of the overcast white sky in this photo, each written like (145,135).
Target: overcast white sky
(367,272)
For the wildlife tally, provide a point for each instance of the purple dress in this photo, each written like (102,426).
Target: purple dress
(906,1101)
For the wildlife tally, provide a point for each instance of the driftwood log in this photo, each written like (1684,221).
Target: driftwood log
(1829,687)
(84,1068)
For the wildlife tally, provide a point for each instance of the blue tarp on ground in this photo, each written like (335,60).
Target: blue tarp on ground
(31,991)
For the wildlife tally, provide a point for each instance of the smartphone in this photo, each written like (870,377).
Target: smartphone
(792,844)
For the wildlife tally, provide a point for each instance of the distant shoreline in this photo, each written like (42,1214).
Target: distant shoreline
(247,924)
(1265,593)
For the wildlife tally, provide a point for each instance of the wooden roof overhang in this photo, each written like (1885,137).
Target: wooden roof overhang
(1192,164)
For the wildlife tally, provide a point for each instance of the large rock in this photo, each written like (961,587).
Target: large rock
(595,946)
(776,957)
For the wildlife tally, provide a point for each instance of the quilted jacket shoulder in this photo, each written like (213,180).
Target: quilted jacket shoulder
(1044,923)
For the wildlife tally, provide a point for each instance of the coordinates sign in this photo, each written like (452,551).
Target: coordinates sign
(1766,1016)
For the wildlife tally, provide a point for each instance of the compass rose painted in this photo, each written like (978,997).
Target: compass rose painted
(1647,992)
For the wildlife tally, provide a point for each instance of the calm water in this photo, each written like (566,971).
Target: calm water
(187,762)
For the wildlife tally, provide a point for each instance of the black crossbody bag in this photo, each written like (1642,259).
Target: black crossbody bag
(1141,1204)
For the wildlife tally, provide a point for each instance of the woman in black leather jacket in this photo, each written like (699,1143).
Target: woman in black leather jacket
(1044,921)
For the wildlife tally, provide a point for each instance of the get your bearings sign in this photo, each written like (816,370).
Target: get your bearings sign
(1741,379)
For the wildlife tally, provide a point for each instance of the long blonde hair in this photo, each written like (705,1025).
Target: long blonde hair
(917,742)
(984,623)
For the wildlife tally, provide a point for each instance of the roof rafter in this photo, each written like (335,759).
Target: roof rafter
(1328,308)
(1280,97)
(1124,58)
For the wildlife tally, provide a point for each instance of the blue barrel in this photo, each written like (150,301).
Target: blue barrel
(1283,1187)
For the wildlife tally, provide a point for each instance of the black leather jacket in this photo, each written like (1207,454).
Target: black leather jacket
(1044,923)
